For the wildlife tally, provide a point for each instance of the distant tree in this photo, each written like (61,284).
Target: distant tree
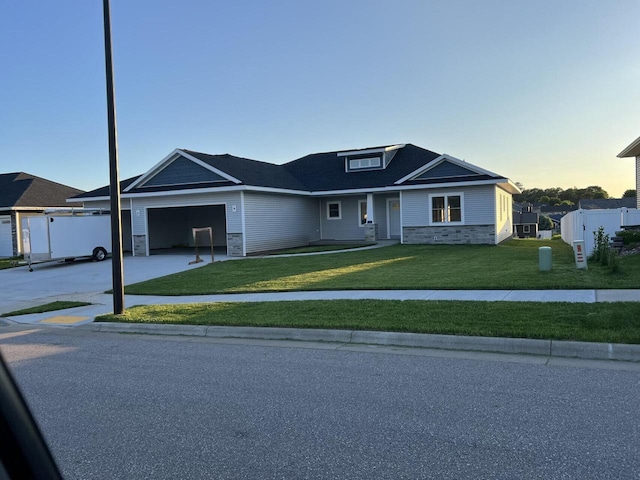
(554,192)
(567,202)
(631,193)
(545,223)
(595,191)
(549,195)
(570,194)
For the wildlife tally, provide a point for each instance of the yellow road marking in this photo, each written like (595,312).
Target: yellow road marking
(64,319)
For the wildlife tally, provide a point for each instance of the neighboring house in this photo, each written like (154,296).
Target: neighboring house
(633,150)
(23,195)
(390,192)
(606,203)
(525,221)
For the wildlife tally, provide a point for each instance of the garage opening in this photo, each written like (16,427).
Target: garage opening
(170,228)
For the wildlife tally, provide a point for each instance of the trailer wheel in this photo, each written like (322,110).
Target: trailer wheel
(99,254)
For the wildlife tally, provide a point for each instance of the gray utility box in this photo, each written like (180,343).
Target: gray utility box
(544,259)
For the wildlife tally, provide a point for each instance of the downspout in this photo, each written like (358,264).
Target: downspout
(244,226)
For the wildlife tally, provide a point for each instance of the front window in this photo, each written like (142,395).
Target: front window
(446,209)
(334,211)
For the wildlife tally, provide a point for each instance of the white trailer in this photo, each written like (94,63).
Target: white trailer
(66,236)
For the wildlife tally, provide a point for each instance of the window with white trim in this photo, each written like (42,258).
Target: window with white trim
(362,212)
(526,229)
(334,210)
(368,162)
(446,208)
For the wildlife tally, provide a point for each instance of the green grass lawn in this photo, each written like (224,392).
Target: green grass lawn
(47,307)
(9,262)
(511,265)
(320,248)
(599,322)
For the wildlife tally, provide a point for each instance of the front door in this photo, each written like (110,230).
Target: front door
(393,218)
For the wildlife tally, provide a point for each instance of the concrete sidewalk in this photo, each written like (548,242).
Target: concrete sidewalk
(103,303)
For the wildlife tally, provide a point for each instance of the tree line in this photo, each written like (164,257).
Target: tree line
(560,196)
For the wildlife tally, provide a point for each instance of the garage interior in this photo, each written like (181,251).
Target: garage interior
(170,228)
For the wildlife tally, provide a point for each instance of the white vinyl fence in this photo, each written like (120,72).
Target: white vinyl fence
(580,224)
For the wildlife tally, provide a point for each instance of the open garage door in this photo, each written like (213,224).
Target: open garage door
(170,227)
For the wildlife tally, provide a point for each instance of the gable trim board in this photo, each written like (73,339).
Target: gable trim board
(263,213)
(438,161)
(166,161)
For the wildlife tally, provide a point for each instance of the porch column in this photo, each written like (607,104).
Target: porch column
(370,211)
(371,228)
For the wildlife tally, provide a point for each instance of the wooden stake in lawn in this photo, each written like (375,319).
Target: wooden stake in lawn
(195,240)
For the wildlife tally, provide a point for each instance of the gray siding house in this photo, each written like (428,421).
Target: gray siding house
(399,192)
(23,195)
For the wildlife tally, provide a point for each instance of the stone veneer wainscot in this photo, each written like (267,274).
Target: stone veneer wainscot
(471,234)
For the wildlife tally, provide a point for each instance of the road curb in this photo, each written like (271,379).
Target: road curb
(550,348)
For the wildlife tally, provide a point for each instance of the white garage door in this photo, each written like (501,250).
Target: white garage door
(6,245)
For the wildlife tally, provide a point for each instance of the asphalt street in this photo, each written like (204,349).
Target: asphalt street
(136,406)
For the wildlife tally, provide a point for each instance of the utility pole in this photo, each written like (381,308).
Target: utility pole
(114,176)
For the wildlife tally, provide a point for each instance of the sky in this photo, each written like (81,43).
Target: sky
(546,93)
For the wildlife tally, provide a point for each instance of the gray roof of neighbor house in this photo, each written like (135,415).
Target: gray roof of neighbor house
(525,218)
(19,189)
(606,203)
(317,172)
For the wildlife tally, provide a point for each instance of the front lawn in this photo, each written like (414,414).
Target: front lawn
(599,322)
(10,262)
(47,307)
(511,265)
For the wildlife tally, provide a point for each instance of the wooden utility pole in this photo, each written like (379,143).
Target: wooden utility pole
(114,176)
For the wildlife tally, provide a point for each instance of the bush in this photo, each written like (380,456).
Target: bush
(601,248)
(629,237)
(545,223)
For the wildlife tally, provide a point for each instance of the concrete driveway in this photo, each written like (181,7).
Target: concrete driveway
(83,279)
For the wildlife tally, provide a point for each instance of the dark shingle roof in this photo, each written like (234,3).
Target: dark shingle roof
(524,218)
(326,171)
(21,189)
(104,191)
(314,173)
(251,172)
(606,203)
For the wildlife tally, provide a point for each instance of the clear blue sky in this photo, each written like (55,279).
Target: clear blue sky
(546,93)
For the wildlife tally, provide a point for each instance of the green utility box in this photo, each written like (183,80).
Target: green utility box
(544,259)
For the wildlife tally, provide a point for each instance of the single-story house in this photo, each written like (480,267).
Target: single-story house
(633,150)
(399,192)
(23,195)
(525,221)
